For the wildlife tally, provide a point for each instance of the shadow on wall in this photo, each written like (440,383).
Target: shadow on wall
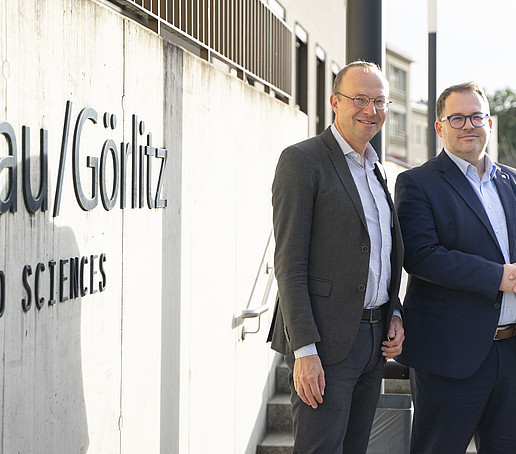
(42,408)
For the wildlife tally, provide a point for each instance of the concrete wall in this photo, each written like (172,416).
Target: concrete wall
(154,362)
(232,137)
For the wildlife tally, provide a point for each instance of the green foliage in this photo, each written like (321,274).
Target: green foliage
(503,105)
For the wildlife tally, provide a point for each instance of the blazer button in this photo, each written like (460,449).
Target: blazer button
(361,287)
(496,306)
(365,249)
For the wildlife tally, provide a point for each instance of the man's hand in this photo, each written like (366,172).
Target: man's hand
(508,283)
(393,347)
(309,380)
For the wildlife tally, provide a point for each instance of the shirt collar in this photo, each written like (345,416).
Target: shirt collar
(371,156)
(489,166)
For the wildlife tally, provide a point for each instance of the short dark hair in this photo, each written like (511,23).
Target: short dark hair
(465,87)
(361,64)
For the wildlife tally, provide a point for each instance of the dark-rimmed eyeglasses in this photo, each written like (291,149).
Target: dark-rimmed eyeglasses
(458,121)
(362,101)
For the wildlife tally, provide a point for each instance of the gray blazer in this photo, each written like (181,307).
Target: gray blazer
(322,250)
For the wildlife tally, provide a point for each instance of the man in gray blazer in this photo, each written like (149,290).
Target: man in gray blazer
(338,264)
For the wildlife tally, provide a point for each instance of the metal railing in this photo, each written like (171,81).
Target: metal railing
(264,307)
(264,285)
(245,34)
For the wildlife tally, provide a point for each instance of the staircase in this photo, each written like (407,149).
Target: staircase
(279,439)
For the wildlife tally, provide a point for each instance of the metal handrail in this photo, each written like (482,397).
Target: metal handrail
(258,311)
(245,34)
(264,307)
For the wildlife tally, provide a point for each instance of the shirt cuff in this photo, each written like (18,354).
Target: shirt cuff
(307,350)
(397,313)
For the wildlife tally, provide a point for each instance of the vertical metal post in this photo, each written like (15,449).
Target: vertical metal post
(364,40)
(432,77)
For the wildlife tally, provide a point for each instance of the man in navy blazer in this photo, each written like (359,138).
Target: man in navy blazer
(458,219)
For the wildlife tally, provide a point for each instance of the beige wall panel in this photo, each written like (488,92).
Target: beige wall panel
(267,128)
(171,256)
(142,261)
(4,68)
(93,77)
(62,364)
(232,137)
(3,182)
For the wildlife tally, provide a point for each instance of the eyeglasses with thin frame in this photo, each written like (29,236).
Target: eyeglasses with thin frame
(458,121)
(362,101)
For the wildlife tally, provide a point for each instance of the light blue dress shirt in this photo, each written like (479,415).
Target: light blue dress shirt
(378,218)
(487,193)
(379,222)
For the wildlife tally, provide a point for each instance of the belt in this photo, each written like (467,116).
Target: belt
(505,332)
(374,315)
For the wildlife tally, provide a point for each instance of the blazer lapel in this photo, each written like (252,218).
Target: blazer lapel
(506,193)
(397,241)
(458,181)
(380,175)
(341,166)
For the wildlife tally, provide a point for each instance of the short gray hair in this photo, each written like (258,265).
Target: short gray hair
(360,64)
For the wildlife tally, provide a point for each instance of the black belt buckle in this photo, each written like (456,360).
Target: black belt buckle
(373,315)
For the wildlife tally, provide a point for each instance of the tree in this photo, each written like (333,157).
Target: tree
(503,105)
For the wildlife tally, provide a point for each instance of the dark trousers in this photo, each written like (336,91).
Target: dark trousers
(342,423)
(448,412)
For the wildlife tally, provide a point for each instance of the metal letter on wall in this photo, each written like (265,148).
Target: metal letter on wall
(32,203)
(107,200)
(85,203)
(27,302)
(9,162)
(2,293)
(40,301)
(62,158)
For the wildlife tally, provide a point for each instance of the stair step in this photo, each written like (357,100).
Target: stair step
(276,443)
(279,416)
(282,385)
(395,386)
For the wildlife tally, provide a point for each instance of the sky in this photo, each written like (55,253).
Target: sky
(476,41)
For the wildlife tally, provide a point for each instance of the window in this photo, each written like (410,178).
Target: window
(301,69)
(397,78)
(277,9)
(398,123)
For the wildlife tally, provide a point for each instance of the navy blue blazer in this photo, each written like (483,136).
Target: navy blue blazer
(455,266)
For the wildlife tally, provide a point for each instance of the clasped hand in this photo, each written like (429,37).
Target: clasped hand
(508,283)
